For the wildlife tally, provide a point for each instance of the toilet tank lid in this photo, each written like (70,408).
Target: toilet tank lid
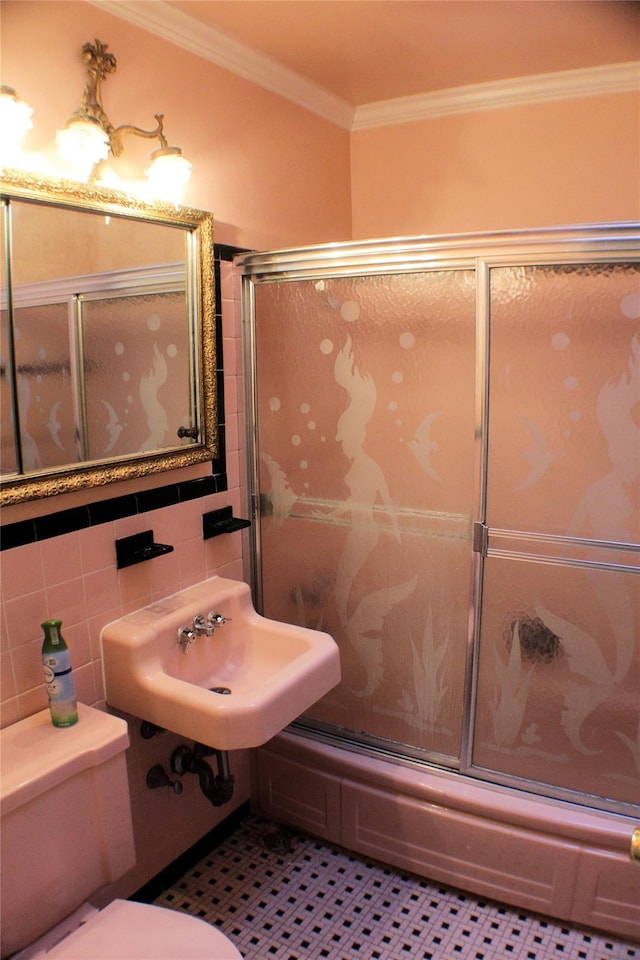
(36,756)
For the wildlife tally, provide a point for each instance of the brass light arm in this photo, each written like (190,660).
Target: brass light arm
(117,133)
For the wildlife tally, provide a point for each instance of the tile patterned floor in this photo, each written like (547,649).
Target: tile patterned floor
(280,894)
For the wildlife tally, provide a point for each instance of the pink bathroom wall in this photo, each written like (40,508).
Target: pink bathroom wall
(272,173)
(74,578)
(565,162)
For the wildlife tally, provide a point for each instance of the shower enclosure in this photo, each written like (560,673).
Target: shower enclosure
(445,463)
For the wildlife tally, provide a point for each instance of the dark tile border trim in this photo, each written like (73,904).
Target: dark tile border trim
(104,511)
(78,518)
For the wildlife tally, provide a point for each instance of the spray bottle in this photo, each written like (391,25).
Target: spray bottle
(56,661)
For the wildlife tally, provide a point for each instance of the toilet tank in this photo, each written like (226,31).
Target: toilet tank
(65,818)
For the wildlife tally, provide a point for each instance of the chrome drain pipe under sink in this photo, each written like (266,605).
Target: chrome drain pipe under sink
(218,789)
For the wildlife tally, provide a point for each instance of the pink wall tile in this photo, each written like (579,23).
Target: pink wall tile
(21,571)
(226,276)
(4,639)
(32,701)
(101,590)
(231,361)
(85,683)
(97,547)
(237,317)
(27,666)
(135,584)
(230,395)
(127,527)
(23,617)
(233,469)
(77,639)
(190,517)
(94,626)
(66,602)
(9,712)
(223,550)
(191,562)
(165,575)
(231,302)
(61,559)
(7,682)
(168,527)
(96,666)
(232,438)
(238,570)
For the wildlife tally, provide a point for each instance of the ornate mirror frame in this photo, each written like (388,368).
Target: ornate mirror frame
(199,226)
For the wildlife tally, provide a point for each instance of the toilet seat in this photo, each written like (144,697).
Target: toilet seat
(126,930)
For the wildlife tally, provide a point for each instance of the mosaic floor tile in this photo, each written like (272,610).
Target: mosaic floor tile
(284,895)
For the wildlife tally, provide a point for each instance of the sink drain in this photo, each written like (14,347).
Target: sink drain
(224,690)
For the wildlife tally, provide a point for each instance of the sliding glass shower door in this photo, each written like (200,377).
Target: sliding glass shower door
(446,455)
(558,696)
(366,431)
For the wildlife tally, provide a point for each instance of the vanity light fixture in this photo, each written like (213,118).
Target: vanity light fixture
(15,120)
(89,135)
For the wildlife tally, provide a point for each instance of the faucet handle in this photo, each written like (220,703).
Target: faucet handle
(201,626)
(216,619)
(186,636)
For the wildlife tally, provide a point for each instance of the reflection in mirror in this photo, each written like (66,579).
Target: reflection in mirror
(8,462)
(108,345)
(44,386)
(135,371)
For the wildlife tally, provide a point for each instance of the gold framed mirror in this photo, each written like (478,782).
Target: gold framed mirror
(107,347)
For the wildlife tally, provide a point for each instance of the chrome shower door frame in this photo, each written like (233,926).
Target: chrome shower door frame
(481,253)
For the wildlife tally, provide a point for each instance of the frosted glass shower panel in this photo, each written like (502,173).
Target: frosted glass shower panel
(45,377)
(137,374)
(7,435)
(559,674)
(366,434)
(564,398)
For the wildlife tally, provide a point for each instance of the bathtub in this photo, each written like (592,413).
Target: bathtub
(542,855)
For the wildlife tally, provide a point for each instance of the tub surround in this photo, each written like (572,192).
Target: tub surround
(542,855)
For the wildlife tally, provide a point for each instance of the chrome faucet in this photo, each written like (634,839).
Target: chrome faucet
(217,619)
(202,627)
(206,627)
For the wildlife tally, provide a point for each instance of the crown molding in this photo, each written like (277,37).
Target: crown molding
(517,91)
(173,25)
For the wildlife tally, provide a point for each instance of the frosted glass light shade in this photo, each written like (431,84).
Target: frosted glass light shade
(167,175)
(82,144)
(15,120)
